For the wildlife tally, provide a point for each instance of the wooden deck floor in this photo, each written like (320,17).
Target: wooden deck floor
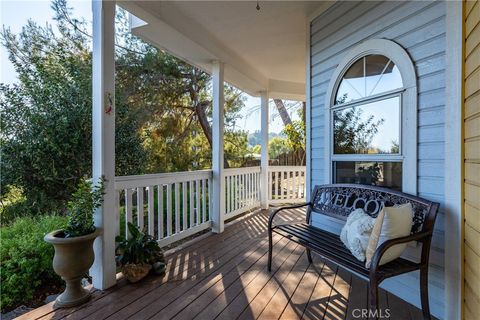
(224,276)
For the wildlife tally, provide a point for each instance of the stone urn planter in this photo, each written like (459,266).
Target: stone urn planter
(73,258)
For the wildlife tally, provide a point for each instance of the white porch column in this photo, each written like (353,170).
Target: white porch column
(217,200)
(264,187)
(103,134)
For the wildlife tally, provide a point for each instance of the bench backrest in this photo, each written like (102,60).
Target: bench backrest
(339,200)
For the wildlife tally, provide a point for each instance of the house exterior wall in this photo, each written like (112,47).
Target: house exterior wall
(419,27)
(471,129)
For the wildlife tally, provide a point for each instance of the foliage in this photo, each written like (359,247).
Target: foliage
(352,134)
(13,205)
(369,174)
(296,134)
(46,116)
(139,248)
(81,206)
(278,146)
(26,260)
(162,111)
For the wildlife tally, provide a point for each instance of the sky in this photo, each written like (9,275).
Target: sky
(15,14)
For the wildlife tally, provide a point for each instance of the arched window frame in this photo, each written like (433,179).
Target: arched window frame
(408,106)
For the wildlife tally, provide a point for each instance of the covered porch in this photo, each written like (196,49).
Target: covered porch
(267,53)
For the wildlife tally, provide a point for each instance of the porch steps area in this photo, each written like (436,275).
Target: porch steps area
(224,276)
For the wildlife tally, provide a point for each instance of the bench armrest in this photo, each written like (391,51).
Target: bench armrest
(274,213)
(420,236)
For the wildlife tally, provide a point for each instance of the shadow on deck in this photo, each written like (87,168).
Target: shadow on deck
(224,276)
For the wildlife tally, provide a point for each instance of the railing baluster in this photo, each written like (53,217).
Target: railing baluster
(117,212)
(177,207)
(209,193)
(169,209)
(197,203)
(128,209)
(235,192)
(184,205)
(227,194)
(140,216)
(204,202)
(190,193)
(151,206)
(160,211)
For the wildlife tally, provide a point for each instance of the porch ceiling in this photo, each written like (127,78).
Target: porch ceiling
(262,50)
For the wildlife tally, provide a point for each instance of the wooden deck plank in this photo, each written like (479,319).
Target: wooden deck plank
(317,305)
(282,296)
(162,296)
(243,273)
(357,297)
(337,303)
(397,308)
(224,276)
(242,301)
(218,283)
(302,295)
(258,304)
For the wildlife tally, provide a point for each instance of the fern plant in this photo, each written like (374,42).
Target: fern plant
(138,248)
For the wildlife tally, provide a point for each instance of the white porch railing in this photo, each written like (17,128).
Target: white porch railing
(242,189)
(286,184)
(177,204)
(173,206)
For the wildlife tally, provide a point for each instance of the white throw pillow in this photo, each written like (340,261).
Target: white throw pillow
(391,223)
(356,233)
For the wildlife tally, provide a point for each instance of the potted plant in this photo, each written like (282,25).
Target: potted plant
(74,245)
(137,254)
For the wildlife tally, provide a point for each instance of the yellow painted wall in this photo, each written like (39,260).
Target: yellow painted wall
(471,132)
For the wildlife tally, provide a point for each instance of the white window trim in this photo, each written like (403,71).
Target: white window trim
(408,127)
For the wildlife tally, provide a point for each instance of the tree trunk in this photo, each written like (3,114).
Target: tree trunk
(207,129)
(283,112)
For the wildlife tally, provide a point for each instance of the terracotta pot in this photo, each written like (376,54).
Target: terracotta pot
(135,272)
(73,257)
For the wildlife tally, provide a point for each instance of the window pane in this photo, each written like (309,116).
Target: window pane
(370,75)
(382,75)
(371,128)
(383,174)
(352,86)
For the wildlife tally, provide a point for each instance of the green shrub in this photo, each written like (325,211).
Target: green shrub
(26,260)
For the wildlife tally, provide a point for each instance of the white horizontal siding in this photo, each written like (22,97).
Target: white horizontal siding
(419,27)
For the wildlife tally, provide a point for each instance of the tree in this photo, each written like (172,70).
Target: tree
(282,110)
(351,133)
(163,110)
(278,146)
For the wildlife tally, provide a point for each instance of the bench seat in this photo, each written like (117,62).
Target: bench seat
(329,246)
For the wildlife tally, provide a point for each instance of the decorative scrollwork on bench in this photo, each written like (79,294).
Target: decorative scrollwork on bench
(340,200)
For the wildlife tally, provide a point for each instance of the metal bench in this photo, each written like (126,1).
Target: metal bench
(338,201)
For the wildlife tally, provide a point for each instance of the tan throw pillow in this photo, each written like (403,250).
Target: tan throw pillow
(391,223)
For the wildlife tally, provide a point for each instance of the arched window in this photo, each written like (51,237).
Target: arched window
(372,118)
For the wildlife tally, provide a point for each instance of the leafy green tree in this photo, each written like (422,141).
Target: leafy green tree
(46,116)
(278,146)
(163,111)
(351,133)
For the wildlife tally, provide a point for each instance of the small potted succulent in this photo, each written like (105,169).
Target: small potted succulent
(74,245)
(138,254)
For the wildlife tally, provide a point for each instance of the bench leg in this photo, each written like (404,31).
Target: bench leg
(270,248)
(373,299)
(424,292)
(309,256)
